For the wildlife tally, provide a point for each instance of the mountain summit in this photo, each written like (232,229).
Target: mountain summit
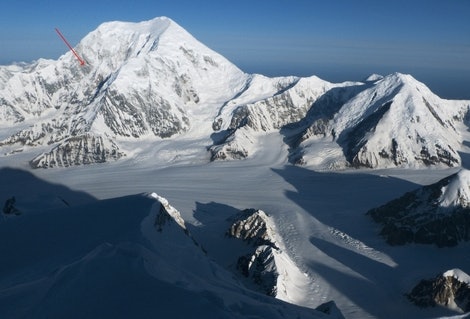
(390,121)
(140,80)
(152,80)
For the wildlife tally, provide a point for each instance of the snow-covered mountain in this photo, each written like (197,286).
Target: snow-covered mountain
(450,289)
(385,122)
(148,81)
(434,214)
(139,80)
(246,118)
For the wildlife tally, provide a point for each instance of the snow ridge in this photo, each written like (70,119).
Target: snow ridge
(166,213)
(458,274)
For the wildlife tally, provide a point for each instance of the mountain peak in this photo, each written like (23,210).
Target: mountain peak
(374,78)
(458,274)
(155,25)
(450,289)
(124,40)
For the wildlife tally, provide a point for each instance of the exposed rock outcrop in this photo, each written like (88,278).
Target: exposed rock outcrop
(252,226)
(450,289)
(79,150)
(260,265)
(9,207)
(436,214)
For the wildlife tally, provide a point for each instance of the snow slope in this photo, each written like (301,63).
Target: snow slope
(110,259)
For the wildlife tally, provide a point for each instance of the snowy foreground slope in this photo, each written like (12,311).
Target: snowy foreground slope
(129,257)
(253,218)
(335,251)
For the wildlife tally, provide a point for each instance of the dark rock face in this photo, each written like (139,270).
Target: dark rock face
(330,308)
(9,207)
(355,140)
(443,231)
(251,227)
(259,265)
(417,217)
(261,268)
(78,150)
(443,290)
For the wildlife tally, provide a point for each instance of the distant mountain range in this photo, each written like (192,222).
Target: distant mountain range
(151,81)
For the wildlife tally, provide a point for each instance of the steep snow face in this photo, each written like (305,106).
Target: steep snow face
(435,214)
(457,192)
(393,121)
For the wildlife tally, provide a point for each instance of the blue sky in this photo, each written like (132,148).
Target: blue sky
(334,39)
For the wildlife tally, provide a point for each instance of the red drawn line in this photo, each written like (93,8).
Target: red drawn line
(82,62)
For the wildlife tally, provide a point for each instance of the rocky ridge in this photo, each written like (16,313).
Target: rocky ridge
(450,289)
(436,214)
(267,265)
